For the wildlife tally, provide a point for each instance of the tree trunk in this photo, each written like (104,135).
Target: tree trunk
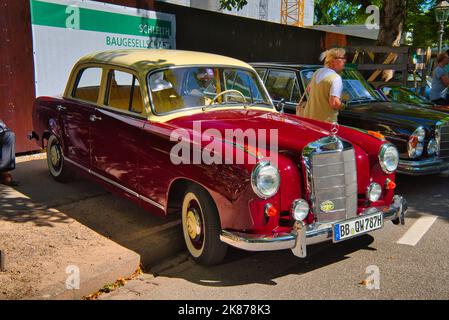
(392,19)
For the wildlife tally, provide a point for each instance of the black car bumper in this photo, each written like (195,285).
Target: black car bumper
(422,167)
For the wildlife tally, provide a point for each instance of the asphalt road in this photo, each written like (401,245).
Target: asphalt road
(412,262)
(415,268)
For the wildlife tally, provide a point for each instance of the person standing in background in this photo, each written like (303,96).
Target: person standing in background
(7,155)
(326,87)
(440,81)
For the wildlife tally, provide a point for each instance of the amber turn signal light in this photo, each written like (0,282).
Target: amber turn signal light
(390,184)
(270,210)
(377,135)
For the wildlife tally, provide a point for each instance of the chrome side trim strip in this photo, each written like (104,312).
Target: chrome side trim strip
(152,202)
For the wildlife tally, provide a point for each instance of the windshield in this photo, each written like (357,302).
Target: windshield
(355,87)
(404,95)
(192,87)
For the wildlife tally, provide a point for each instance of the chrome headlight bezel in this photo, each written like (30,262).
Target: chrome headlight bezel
(416,151)
(432,145)
(255,179)
(420,133)
(387,149)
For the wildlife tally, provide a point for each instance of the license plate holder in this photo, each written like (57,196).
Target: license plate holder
(351,228)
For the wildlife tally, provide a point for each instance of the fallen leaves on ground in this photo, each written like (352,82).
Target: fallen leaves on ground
(111,287)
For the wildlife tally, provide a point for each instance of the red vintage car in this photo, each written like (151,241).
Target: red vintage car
(166,128)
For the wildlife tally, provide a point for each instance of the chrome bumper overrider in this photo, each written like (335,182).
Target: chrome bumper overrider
(427,166)
(301,236)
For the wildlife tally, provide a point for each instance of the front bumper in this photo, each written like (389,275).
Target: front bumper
(422,167)
(301,236)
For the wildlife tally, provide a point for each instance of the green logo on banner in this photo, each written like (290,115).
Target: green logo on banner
(73,17)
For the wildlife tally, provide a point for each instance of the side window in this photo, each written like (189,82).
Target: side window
(87,86)
(282,85)
(296,94)
(123,92)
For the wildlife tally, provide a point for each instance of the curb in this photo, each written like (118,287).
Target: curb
(100,276)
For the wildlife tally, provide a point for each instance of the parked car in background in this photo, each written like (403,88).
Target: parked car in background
(415,80)
(421,135)
(116,123)
(404,95)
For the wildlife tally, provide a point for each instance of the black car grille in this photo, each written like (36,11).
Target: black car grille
(444,142)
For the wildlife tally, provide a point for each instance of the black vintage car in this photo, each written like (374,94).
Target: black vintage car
(420,134)
(405,95)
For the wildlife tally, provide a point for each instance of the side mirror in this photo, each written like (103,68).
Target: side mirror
(280,105)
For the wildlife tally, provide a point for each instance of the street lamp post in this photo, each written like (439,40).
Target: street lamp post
(441,15)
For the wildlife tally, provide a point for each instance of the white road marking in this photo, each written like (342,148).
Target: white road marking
(417,230)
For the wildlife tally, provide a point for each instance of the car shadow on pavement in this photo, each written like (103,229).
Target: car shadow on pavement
(426,194)
(17,208)
(242,267)
(42,201)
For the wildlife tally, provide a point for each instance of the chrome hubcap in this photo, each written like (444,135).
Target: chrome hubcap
(55,156)
(193,224)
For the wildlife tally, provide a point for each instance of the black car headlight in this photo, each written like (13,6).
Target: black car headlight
(415,145)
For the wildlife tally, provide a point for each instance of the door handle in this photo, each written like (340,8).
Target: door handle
(60,108)
(94,118)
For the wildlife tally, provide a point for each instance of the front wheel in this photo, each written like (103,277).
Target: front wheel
(56,162)
(201,227)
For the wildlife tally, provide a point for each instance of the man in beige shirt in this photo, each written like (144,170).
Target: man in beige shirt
(326,87)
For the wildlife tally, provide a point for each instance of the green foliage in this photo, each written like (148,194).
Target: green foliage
(328,12)
(230,4)
(420,25)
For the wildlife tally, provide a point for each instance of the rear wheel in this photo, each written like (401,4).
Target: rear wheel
(201,227)
(56,162)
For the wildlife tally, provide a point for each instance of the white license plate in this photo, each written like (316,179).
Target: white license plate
(354,227)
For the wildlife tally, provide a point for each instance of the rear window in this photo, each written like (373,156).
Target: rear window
(87,86)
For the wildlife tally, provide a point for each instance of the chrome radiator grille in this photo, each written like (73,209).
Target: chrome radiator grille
(444,141)
(332,179)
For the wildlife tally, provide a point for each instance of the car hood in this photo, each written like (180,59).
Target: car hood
(293,135)
(396,114)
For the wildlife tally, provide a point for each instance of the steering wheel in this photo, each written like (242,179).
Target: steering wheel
(225,92)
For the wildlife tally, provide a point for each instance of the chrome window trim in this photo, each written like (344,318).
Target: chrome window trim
(152,202)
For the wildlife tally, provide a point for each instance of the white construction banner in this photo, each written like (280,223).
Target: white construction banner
(66,30)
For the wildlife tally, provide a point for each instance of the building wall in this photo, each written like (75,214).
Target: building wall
(16,70)
(242,38)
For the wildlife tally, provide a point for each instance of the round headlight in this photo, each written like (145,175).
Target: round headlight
(420,133)
(300,209)
(374,192)
(432,148)
(265,180)
(389,158)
